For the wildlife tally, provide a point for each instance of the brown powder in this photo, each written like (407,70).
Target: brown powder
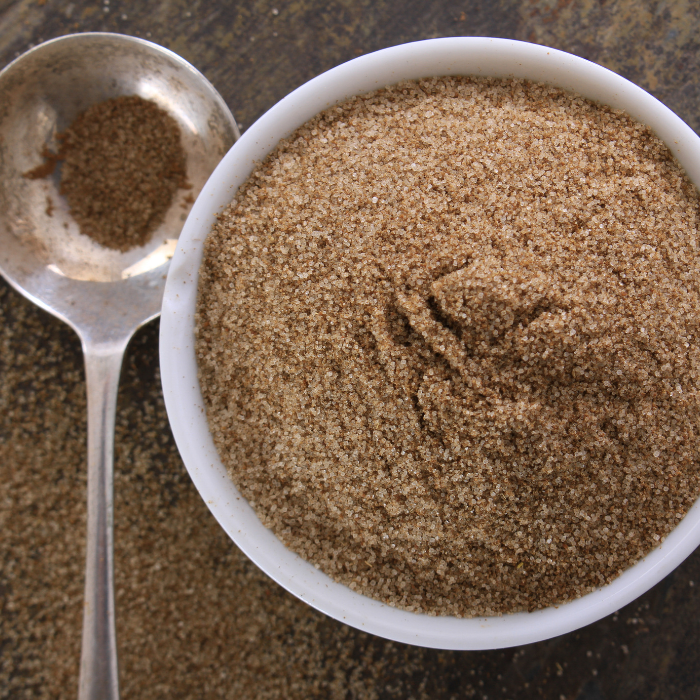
(123,163)
(46,168)
(447,336)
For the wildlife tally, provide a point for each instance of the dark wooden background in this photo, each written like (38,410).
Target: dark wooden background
(195,618)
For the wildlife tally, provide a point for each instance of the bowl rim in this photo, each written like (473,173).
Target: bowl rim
(434,57)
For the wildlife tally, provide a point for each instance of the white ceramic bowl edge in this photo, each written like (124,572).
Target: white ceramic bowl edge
(453,56)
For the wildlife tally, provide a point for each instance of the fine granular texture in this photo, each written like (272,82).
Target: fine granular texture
(123,164)
(447,336)
(46,168)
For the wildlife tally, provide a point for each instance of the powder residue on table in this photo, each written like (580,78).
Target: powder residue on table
(447,336)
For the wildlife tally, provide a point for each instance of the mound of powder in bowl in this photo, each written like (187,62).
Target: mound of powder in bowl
(448,344)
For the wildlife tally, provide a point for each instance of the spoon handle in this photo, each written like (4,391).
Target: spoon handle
(98,663)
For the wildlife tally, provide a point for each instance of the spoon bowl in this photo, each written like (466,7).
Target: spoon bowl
(105,295)
(41,93)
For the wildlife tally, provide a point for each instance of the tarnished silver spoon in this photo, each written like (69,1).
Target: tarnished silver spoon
(104,295)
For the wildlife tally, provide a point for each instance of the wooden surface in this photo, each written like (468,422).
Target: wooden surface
(195,618)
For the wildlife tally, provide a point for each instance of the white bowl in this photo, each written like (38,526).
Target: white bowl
(436,57)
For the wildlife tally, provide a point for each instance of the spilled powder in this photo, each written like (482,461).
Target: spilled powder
(447,337)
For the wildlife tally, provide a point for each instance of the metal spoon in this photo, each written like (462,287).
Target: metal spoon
(104,295)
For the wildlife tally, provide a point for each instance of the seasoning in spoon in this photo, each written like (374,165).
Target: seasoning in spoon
(123,162)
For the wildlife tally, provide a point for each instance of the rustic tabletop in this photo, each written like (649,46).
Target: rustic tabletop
(195,618)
